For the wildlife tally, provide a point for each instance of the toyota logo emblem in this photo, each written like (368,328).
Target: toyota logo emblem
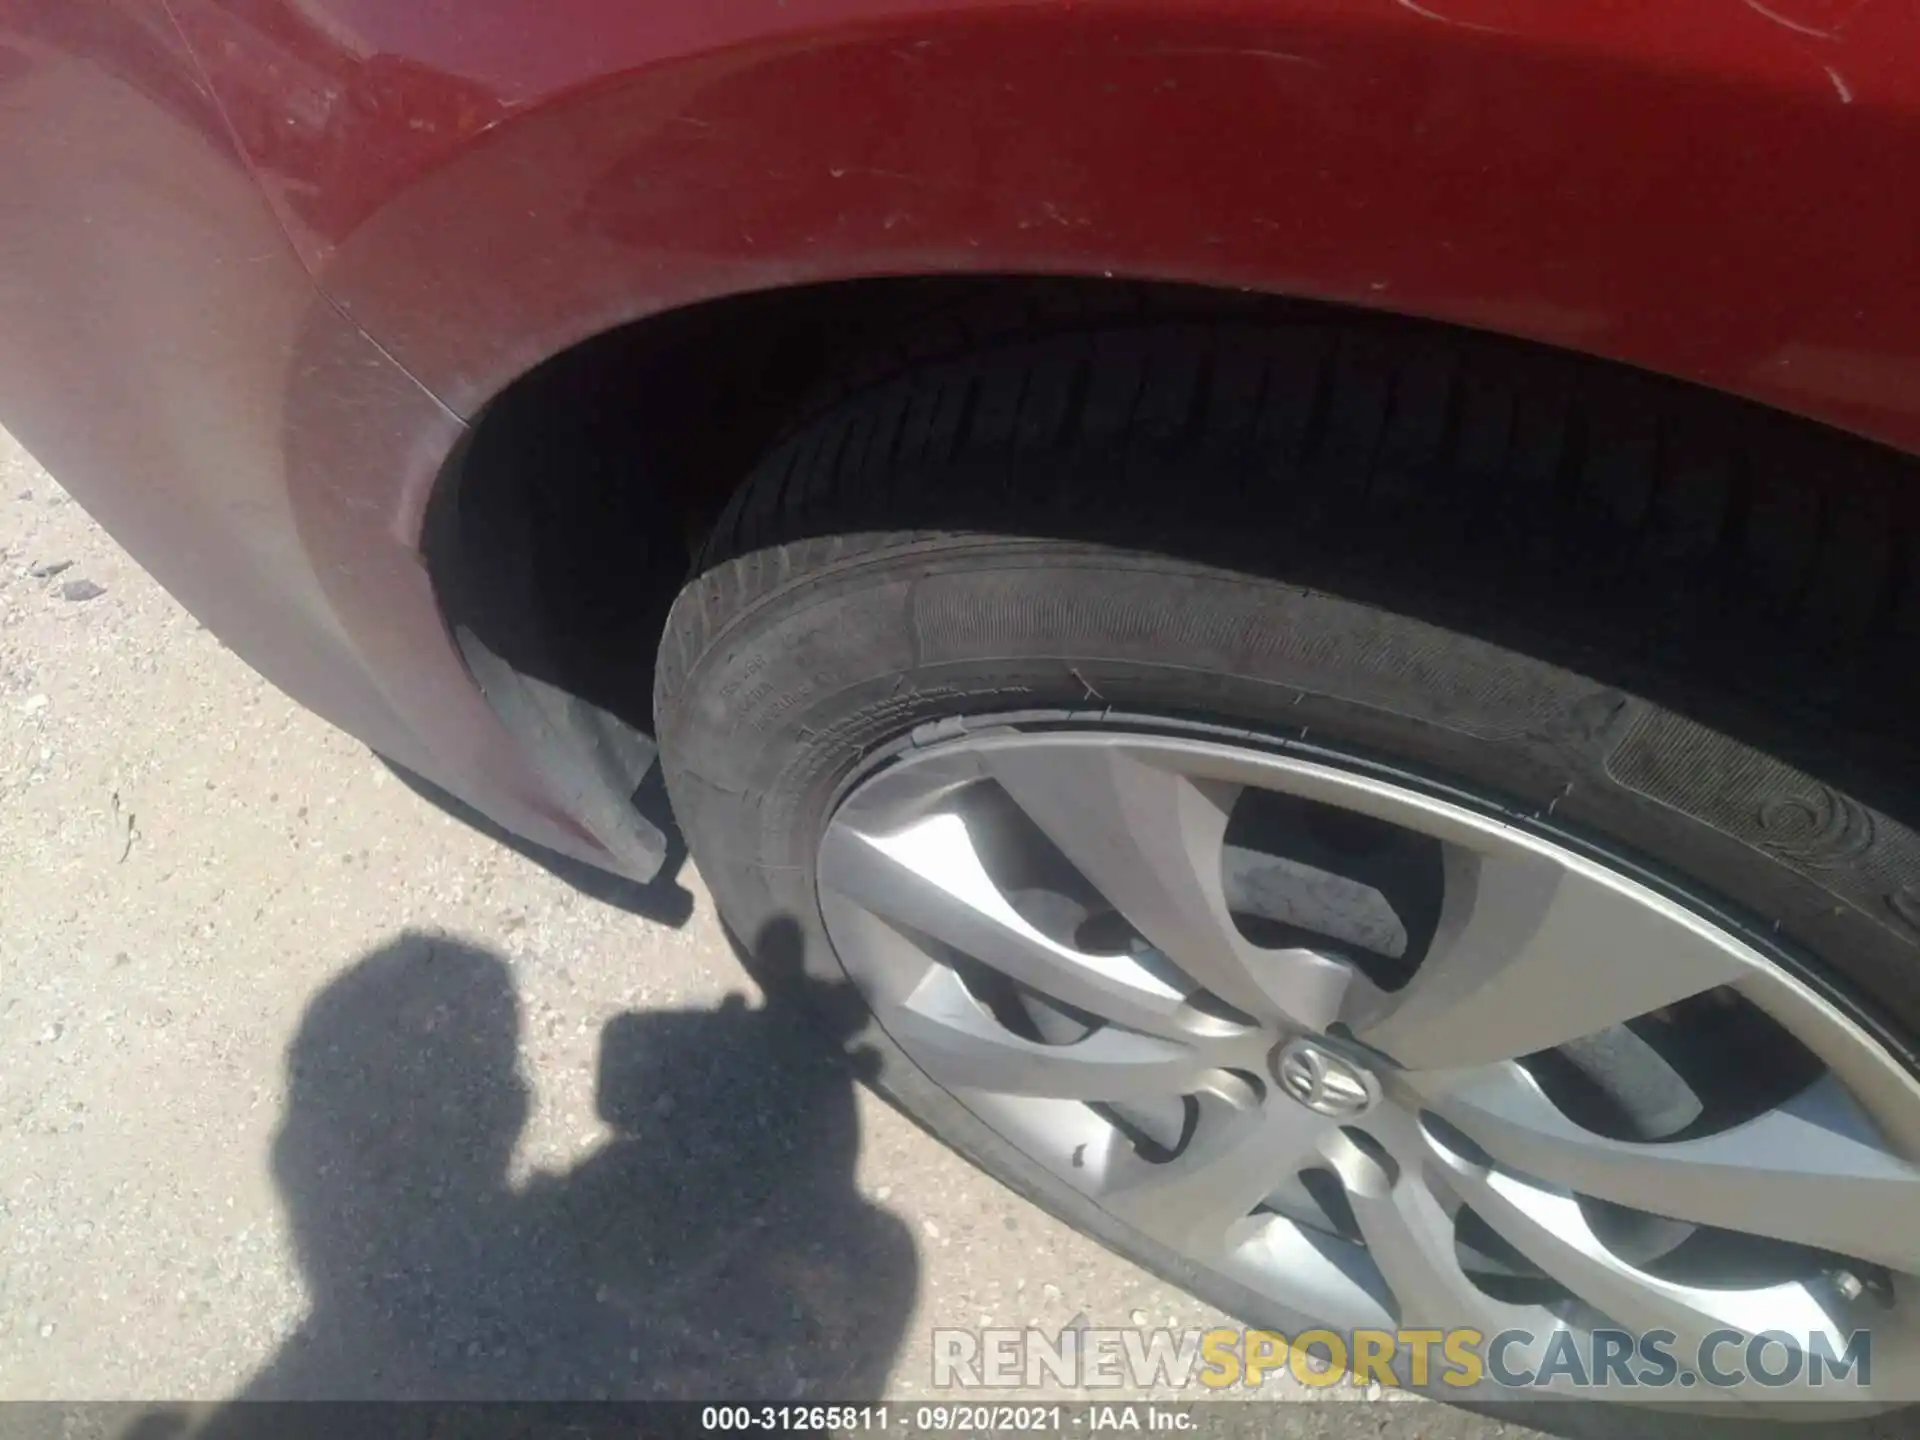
(1325,1082)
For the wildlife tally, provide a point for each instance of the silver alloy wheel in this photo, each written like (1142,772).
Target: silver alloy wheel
(1193,1082)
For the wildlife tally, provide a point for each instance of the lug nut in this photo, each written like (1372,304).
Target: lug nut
(1848,1284)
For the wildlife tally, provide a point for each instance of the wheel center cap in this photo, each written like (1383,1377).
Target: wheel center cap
(1324,1080)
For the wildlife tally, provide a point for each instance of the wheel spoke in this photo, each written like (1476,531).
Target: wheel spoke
(1240,1153)
(1813,1171)
(1530,954)
(929,877)
(1150,840)
(1552,1231)
(1409,1234)
(958,1043)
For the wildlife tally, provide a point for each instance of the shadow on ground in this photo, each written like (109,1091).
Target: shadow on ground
(715,1248)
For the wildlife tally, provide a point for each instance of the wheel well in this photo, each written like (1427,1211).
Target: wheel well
(563,528)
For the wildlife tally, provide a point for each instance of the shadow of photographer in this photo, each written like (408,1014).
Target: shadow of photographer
(715,1248)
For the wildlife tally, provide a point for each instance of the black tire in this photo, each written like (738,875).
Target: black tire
(1655,624)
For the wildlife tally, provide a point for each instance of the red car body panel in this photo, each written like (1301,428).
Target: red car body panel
(1708,188)
(164,353)
(264,256)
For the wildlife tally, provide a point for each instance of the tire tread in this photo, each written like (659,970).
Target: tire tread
(1643,517)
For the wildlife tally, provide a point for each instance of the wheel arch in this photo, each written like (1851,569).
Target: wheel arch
(1496,169)
(1697,191)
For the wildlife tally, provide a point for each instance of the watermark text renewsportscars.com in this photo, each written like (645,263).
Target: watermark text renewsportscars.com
(1554,1361)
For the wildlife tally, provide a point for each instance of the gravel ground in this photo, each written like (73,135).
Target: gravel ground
(309,1089)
